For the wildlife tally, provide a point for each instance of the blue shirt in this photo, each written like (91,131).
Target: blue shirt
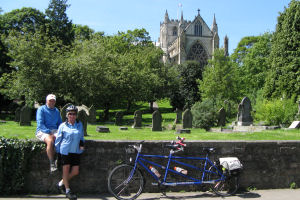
(47,119)
(68,138)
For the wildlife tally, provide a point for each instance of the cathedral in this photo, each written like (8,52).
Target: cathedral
(183,40)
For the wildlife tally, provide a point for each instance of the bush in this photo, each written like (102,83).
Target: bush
(15,158)
(204,114)
(276,112)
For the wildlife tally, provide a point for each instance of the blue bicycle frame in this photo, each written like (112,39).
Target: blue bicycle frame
(141,159)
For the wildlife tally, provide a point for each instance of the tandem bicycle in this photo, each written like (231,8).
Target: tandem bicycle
(126,181)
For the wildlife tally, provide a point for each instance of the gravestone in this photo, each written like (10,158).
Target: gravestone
(156,121)
(63,112)
(179,131)
(102,129)
(244,117)
(92,116)
(295,124)
(119,118)
(187,119)
(83,117)
(17,114)
(222,117)
(123,128)
(25,116)
(137,119)
(178,116)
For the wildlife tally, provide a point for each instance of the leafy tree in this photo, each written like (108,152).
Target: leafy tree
(59,24)
(82,32)
(23,20)
(284,75)
(220,80)
(252,56)
(32,76)
(189,73)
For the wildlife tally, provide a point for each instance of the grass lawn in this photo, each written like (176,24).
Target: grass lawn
(12,129)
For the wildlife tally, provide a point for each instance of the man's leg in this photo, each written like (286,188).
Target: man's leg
(49,140)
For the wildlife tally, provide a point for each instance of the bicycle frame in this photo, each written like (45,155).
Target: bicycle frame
(141,159)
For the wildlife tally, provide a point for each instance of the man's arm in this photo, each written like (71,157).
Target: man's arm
(40,120)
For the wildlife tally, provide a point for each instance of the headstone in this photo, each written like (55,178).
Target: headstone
(179,131)
(222,117)
(17,114)
(63,112)
(137,119)
(156,121)
(82,116)
(295,124)
(187,119)
(25,116)
(244,117)
(119,118)
(123,128)
(102,129)
(92,116)
(178,116)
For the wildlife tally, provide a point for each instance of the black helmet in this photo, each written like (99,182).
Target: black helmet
(72,108)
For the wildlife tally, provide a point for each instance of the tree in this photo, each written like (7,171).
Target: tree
(23,20)
(220,80)
(284,75)
(59,24)
(189,73)
(252,55)
(82,32)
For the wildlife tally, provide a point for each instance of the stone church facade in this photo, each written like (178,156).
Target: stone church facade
(183,40)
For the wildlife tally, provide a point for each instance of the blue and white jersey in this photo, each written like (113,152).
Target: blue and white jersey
(68,138)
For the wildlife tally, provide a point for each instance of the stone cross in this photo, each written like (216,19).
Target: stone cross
(222,117)
(25,116)
(156,121)
(119,118)
(137,119)
(244,117)
(187,119)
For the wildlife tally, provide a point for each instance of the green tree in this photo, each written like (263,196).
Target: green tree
(82,32)
(59,24)
(189,73)
(284,75)
(220,80)
(252,56)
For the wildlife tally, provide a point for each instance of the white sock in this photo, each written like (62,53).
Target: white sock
(61,183)
(67,190)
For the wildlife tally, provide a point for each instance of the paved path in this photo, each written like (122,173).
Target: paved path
(278,194)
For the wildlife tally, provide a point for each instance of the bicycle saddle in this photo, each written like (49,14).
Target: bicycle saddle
(209,149)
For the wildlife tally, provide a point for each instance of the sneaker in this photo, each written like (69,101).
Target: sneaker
(61,189)
(53,167)
(70,195)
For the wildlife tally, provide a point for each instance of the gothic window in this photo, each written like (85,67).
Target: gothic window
(198,53)
(174,31)
(198,29)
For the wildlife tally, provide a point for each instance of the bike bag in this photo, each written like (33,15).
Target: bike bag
(231,163)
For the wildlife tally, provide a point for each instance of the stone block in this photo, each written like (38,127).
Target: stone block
(178,131)
(295,124)
(102,129)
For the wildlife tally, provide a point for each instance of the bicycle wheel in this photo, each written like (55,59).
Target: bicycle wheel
(223,188)
(123,185)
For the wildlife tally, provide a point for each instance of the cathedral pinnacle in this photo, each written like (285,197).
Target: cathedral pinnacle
(198,12)
(167,20)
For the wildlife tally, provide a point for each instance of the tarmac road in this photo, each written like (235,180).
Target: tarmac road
(275,194)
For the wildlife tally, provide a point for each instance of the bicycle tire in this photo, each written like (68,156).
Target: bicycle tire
(224,188)
(121,187)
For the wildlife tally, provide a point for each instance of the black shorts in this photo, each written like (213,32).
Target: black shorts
(72,159)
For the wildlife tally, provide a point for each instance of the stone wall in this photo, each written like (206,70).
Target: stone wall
(267,164)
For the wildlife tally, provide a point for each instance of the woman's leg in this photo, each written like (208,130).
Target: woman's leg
(66,173)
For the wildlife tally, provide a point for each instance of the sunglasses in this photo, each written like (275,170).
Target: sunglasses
(71,113)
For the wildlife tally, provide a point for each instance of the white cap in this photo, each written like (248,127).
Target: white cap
(51,96)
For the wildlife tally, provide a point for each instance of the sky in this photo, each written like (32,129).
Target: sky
(235,18)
